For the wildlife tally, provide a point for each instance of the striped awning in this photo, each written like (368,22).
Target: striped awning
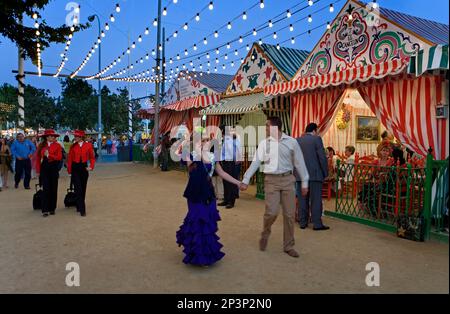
(193,102)
(349,76)
(244,104)
(432,59)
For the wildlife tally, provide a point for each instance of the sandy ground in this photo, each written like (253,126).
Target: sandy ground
(126,244)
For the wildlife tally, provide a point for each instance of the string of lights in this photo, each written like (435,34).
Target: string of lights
(129,49)
(269,24)
(143,77)
(38,45)
(204,53)
(95,45)
(64,55)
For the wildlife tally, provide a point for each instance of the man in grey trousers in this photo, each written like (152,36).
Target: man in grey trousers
(316,163)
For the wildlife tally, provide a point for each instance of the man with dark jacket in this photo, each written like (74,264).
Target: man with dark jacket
(316,161)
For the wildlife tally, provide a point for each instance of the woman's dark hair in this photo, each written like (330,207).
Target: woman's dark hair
(385,134)
(331,149)
(397,154)
(276,121)
(66,139)
(41,145)
(351,149)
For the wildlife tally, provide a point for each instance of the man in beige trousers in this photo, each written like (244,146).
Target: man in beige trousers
(279,155)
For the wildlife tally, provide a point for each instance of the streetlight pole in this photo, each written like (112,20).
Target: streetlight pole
(157,90)
(99,127)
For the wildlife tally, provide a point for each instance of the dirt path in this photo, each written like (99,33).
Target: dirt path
(126,244)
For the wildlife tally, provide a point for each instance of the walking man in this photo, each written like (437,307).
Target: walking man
(316,161)
(22,150)
(281,157)
(231,160)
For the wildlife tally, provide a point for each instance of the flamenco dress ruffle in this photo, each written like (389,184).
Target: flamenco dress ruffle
(198,235)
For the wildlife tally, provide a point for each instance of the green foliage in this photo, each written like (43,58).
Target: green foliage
(10,14)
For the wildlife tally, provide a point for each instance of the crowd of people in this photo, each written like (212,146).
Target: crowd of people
(42,157)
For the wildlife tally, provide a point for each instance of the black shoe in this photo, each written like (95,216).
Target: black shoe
(303,227)
(16,186)
(83,214)
(229,206)
(45,215)
(27,188)
(321,228)
(222,204)
(52,213)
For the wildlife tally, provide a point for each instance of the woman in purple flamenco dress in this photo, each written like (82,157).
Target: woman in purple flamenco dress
(198,233)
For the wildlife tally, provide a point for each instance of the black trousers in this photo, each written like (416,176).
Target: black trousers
(48,179)
(80,178)
(230,190)
(21,167)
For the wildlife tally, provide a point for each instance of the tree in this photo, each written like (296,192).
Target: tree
(78,105)
(11,12)
(41,110)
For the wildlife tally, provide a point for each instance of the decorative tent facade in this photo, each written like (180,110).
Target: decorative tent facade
(188,95)
(244,103)
(372,51)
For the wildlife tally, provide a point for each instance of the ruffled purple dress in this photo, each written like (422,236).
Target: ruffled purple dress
(197,234)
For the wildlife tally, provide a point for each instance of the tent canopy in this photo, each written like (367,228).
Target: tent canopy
(430,59)
(244,104)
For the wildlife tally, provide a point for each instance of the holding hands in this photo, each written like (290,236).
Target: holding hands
(243,186)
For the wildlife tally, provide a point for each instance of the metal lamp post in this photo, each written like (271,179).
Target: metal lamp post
(99,127)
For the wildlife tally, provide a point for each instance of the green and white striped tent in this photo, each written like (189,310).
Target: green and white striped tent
(435,58)
(234,109)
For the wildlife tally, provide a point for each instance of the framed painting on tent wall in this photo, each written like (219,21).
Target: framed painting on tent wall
(368,129)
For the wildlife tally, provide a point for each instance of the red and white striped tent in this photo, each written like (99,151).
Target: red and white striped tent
(406,104)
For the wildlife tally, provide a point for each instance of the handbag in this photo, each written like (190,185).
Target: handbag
(411,228)
(37,198)
(71,198)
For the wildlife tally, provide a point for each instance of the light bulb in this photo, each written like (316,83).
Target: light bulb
(211,5)
(133,45)
(107,26)
(270,23)
(331,8)
(228,46)
(275,35)
(205,41)
(328,25)
(236,52)
(140,39)
(291,28)
(240,39)
(217,51)
(260,42)
(186,52)
(288,14)
(175,1)
(146,31)
(278,46)
(293,40)
(229,25)
(197,17)
(248,48)
(175,34)
(374,4)
(255,32)
(310,3)
(35,16)
(195,47)
(216,34)
(309,18)
(103,34)
(36,25)
(244,16)
(185,27)
(261,4)
(226,57)
(117,8)
(111,18)
(164,12)
(155,22)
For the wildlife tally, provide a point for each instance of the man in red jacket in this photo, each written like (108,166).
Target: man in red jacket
(78,167)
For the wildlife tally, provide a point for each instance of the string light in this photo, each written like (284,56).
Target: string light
(288,14)
(197,17)
(374,4)
(309,18)
(117,8)
(331,8)
(291,28)
(310,3)
(229,25)
(164,12)
(244,16)
(261,4)
(211,5)
(38,45)
(270,24)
